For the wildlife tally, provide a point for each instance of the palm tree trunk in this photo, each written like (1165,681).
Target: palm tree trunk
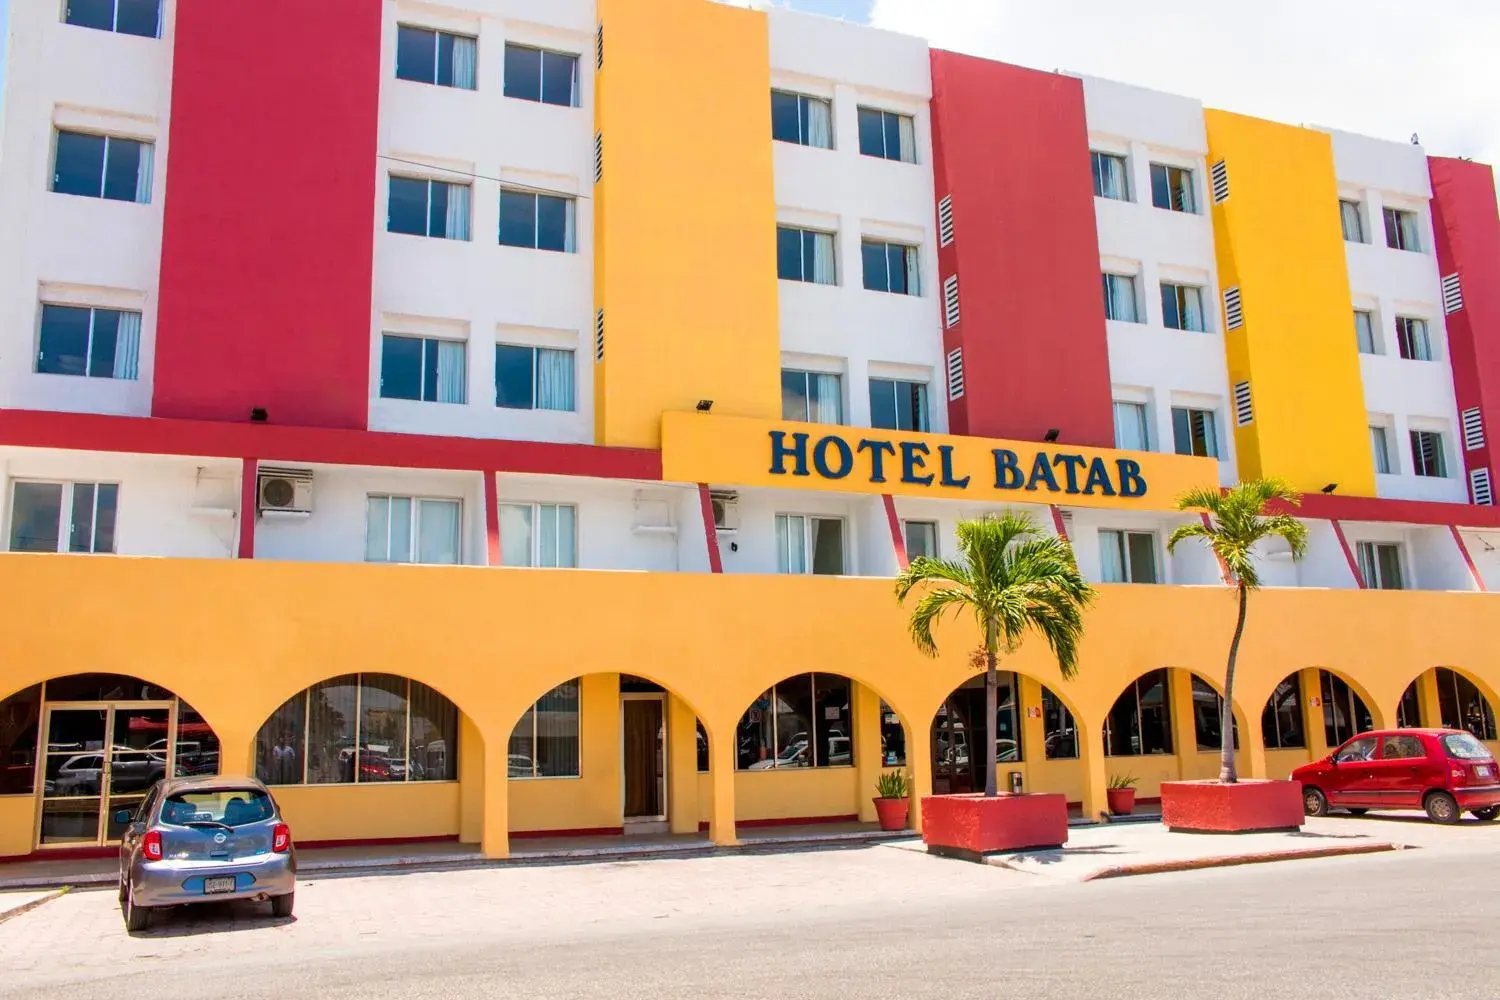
(991,710)
(1227,773)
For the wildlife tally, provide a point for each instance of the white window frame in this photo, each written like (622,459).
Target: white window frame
(416,500)
(427,340)
(1420,335)
(534,557)
(1124,160)
(1359,220)
(1144,409)
(148,153)
(570,233)
(429,234)
(806,372)
(1402,213)
(88,358)
(937,546)
(1374,329)
(901,154)
(1192,171)
(1445,467)
(1366,555)
(894,381)
(1180,290)
(114,24)
(1123,535)
(911,258)
(807,543)
(65,513)
(803,138)
(1135,296)
(534,349)
(1382,454)
(1218,440)
(577,95)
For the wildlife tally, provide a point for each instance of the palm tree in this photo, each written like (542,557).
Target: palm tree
(1232,522)
(1013,579)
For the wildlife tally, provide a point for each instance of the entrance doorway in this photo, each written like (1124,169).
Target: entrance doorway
(644,759)
(99,759)
(959,732)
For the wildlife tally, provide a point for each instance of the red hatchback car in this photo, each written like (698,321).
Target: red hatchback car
(1444,771)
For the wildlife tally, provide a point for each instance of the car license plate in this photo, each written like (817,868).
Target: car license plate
(1482,771)
(223,884)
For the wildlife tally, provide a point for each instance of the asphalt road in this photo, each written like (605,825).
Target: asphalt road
(1415,925)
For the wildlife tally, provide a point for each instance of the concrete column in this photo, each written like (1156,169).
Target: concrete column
(495,840)
(721,770)
(1312,716)
(868,760)
(470,782)
(1427,699)
(682,766)
(236,751)
(1251,760)
(1095,767)
(1184,731)
(1033,731)
(919,765)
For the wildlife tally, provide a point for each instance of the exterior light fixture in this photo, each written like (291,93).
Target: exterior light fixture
(1328,490)
(1051,435)
(704,405)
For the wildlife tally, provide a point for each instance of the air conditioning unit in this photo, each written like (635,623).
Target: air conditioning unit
(726,504)
(284,491)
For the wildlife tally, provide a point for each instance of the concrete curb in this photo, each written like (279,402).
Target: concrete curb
(27,907)
(1234,860)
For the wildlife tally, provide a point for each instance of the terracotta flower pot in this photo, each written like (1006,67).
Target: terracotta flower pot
(1121,801)
(892,813)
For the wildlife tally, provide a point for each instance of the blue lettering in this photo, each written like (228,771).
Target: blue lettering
(878,450)
(1072,463)
(1008,475)
(1098,479)
(946,451)
(1132,483)
(820,458)
(1041,471)
(780,452)
(912,460)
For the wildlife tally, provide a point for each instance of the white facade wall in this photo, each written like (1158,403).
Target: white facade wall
(71,250)
(1150,363)
(1400,395)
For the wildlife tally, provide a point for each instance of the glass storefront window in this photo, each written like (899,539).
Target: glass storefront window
(1281,720)
(1409,711)
(20,717)
(544,743)
(1062,732)
(1462,706)
(892,738)
(1344,712)
(1140,723)
(804,721)
(1208,715)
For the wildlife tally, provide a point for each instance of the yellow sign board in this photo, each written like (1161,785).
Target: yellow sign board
(740,451)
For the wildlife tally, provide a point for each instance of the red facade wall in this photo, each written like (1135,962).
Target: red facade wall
(267,253)
(1467,226)
(1011,148)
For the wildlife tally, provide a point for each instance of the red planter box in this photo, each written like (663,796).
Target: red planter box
(972,826)
(1249,806)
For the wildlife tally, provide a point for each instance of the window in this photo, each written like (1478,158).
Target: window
(545,742)
(1412,339)
(805,721)
(1358,751)
(812,397)
(1194,432)
(103,166)
(896,405)
(1380,565)
(359,729)
(1409,710)
(63,517)
(1110,177)
(1463,706)
(543,535)
(1380,448)
(412,530)
(428,208)
(1401,748)
(1127,557)
(1131,427)
(1208,718)
(439,57)
(423,368)
(1281,721)
(98,343)
(537,221)
(887,135)
(797,118)
(890,267)
(533,378)
(1353,221)
(1364,331)
(1344,712)
(1119,298)
(1401,231)
(1462,746)
(1182,307)
(805,255)
(1427,455)
(127,17)
(540,75)
(892,738)
(1141,720)
(921,539)
(1172,188)
(1061,732)
(797,534)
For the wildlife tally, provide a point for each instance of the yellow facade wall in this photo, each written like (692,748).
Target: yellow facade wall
(1278,239)
(592,801)
(819,792)
(685,266)
(17,824)
(411,810)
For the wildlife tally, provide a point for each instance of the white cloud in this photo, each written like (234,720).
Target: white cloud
(1385,68)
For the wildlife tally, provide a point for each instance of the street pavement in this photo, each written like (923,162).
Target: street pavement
(852,923)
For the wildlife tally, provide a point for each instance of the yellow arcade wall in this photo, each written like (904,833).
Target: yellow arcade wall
(685,217)
(1278,239)
(235,638)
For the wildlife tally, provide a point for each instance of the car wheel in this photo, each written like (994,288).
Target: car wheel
(122,890)
(1314,802)
(1487,813)
(281,906)
(136,917)
(1356,812)
(1441,807)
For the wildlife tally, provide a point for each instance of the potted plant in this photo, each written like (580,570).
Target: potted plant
(892,799)
(1121,794)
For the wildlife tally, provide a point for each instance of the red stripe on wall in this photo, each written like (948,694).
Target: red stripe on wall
(491,518)
(1359,578)
(1059,524)
(1463,550)
(898,540)
(268,242)
(1223,566)
(710,532)
(249,506)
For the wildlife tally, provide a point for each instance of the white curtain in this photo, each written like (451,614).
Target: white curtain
(377,528)
(557,544)
(128,346)
(791,540)
(1420,344)
(913,273)
(457,223)
(1364,332)
(823,269)
(819,123)
(554,380)
(1353,230)
(451,371)
(1410,239)
(1381,452)
(575,98)
(465,57)
(1111,177)
(144,171)
(827,399)
(1192,309)
(515,534)
(1119,294)
(908,130)
(398,547)
(1111,559)
(570,230)
(1130,427)
(437,532)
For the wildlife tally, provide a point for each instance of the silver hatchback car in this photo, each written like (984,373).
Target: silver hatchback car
(205,839)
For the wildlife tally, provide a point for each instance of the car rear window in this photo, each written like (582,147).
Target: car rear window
(227,807)
(1465,747)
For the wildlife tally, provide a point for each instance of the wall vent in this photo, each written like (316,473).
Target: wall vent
(599,47)
(1473,424)
(1480,487)
(599,336)
(955,374)
(1234,313)
(598,157)
(1244,413)
(1453,293)
(945,221)
(950,301)
(1219,173)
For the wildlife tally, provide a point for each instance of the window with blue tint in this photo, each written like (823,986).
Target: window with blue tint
(63,517)
(890,267)
(90,14)
(887,135)
(533,378)
(537,221)
(437,57)
(100,343)
(122,170)
(1172,188)
(423,368)
(428,208)
(897,405)
(127,17)
(533,74)
(797,118)
(97,166)
(407,209)
(805,255)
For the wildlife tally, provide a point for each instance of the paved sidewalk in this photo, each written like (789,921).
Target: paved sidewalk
(13,904)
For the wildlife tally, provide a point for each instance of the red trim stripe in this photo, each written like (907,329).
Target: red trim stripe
(897,538)
(1223,567)
(710,532)
(1058,523)
(491,518)
(1463,550)
(1359,578)
(757,824)
(249,506)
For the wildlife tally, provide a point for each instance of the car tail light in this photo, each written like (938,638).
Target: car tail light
(281,838)
(151,846)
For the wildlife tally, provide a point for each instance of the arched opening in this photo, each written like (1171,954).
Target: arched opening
(1036,738)
(1283,727)
(87,746)
(1139,723)
(1167,725)
(1460,704)
(1345,713)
